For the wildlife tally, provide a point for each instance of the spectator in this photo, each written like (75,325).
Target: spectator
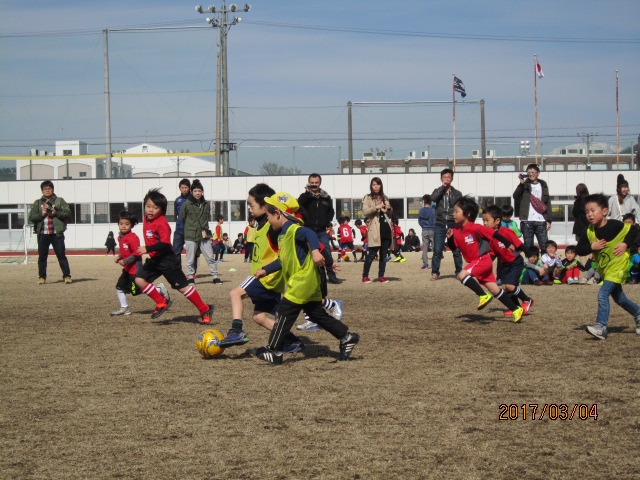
(444,197)
(178,235)
(411,242)
(580,222)
(377,211)
(622,202)
(533,206)
(427,221)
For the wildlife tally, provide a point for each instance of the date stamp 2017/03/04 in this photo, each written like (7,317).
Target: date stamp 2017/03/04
(549,411)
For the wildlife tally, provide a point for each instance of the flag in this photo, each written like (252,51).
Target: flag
(458,86)
(539,69)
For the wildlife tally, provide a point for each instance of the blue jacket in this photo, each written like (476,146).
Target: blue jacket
(427,218)
(178,205)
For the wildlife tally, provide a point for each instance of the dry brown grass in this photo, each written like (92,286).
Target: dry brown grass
(84,395)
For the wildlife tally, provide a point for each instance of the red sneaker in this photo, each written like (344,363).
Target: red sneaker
(383,280)
(526,306)
(205,317)
(160,309)
(366,280)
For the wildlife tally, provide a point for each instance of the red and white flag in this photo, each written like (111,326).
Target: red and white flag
(539,69)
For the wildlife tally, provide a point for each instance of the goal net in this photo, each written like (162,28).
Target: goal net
(21,248)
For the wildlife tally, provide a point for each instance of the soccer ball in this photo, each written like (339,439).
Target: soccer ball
(207,343)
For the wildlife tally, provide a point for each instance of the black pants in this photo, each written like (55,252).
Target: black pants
(288,313)
(57,242)
(383,251)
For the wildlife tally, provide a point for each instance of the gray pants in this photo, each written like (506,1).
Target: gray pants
(427,241)
(207,251)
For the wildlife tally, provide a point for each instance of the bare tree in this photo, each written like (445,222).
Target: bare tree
(273,168)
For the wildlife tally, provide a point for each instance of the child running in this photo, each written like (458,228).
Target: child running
(398,238)
(298,258)
(162,261)
(511,264)
(129,258)
(473,240)
(346,234)
(609,240)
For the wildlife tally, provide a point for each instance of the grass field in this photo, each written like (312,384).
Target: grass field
(86,396)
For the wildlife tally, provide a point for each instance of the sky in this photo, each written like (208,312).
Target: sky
(293,66)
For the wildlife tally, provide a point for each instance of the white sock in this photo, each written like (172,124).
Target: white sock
(122,298)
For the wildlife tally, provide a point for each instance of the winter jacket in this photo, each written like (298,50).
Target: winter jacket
(372,219)
(444,213)
(319,210)
(617,210)
(195,218)
(60,218)
(522,195)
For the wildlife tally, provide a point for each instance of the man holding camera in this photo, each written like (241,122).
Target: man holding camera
(49,215)
(320,212)
(533,206)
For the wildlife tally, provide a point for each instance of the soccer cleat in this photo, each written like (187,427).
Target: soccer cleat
(336,310)
(403,259)
(308,326)
(234,338)
(165,293)
(346,347)
(483,300)
(383,280)
(42,281)
(507,313)
(366,280)
(268,355)
(217,281)
(557,282)
(293,347)
(121,311)
(160,309)
(598,330)
(397,259)
(67,280)
(517,314)
(206,316)
(526,306)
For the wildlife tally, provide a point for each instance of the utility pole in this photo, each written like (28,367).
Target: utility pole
(107,105)
(221,22)
(587,137)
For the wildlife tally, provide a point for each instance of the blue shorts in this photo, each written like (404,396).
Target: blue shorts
(264,300)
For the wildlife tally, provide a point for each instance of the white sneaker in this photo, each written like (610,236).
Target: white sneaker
(121,311)
(308,326)
(638,324)
(598,330)
(336,310)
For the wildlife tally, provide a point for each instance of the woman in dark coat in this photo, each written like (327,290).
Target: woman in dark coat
(580,222)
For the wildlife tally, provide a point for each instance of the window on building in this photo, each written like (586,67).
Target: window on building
(620,166)
(398,207)
(67,153)
(101,212)
(414,204)
(4,221)
(551,167)
(344,206)
(171,212)
(135,208)
(238,211)
(598,166)
(356,205)
(82,174)
(81,213)
(484,202)
(576,166)
(114,211)
(557,212)
(219,208)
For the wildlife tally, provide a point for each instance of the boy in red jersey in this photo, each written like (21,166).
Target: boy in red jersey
(162,261)
(473,240)
(129,258)
(511,263)
(364,231)
(398,238)
(345,232)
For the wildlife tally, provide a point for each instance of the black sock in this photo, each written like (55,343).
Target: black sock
(506,300)
(473,284)
(236,325)
(521,295)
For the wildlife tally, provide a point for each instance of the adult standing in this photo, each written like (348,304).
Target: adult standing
(377,212)
(622,202)
(318,205)
(178,235)
(533,206)
(427,222)
(580,222)
(445,197)
(49,215)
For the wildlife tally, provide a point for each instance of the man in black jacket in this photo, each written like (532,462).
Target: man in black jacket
(445,197)
(320,212)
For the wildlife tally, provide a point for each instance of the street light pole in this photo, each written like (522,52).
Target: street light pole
(223,25)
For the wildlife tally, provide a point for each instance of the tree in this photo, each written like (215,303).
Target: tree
(273,168)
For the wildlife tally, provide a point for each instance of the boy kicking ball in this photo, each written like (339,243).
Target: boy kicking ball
(609,240)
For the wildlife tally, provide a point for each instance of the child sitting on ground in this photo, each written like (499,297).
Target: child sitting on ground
(534,272)
(634,267)
(571,267)
(551,261)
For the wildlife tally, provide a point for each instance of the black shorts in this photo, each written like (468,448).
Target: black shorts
(126,283)
(510,272)
(167,266)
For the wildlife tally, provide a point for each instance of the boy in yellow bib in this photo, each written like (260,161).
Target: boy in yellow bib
(298,259)
(609,240)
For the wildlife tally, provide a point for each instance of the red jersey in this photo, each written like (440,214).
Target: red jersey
(504,254)
(129,244)
(397,233)
(473,240)
(364,231)
(346,233)
(156,231)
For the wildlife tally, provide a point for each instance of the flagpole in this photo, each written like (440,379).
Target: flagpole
(453,91)
(617,126)
(535,101)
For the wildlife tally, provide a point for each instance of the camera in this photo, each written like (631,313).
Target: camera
(523,176)
(49,205)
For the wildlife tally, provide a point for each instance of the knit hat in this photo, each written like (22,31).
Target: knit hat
(621,181)
(286,203)
(196,184)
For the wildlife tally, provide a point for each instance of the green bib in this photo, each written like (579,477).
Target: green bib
(611,268)
(303,281)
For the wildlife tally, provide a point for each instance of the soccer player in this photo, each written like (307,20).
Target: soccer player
(298,258)
(473,240)
(162,260)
